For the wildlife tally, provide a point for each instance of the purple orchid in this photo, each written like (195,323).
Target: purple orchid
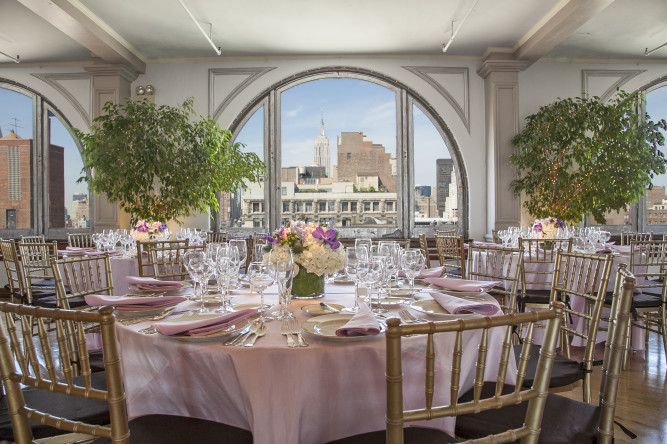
(271,239)
(328,237)
(537,227)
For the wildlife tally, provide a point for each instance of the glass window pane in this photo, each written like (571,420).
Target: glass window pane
(436,186)
(343,157)
(245,208)
(16,151)
(656,200)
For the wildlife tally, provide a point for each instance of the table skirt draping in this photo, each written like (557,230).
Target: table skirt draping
(329,390)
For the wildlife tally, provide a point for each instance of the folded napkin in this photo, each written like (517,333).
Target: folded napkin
(456,305)
(603,251)
(149,283)
(123,303)
(463,284)
(100,253)
(202,327)
(363,323)
(79,249)
(71,253)
(429,272)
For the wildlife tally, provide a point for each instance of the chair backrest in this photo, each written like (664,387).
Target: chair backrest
(49,368)
(163,259)
(627,236)
(483,327)
(582,276)
(451,233)
(494,235)
(13,268)
(494,263)
(538,261)
(648,261)
(80,240)
(80,276)
(32,239)
(451,252)
(615,346)
(423,246)
(217,236)
(36,261)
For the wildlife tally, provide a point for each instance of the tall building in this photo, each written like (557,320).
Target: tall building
(444,172)
(360,160)
(323,151)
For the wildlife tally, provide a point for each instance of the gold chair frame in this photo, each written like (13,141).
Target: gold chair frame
(13,268)
(451,252)
(423,246)
(489,263)
(39,239)
(80,276)
(35,262)
(216,237)
(628,236)
(80,240)
(160,259)
(543,259)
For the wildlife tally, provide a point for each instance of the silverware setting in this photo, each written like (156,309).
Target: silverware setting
(241,339)
(288,329)
(287,332)
(157,317)
(258,334)
(329,308)
(296,329)
(408,318)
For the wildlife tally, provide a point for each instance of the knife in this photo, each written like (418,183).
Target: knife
(329,308)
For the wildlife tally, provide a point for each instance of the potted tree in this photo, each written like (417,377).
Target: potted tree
(159,163)
(579,156)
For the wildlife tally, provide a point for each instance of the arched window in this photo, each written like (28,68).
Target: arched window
(352,148)
(39,165)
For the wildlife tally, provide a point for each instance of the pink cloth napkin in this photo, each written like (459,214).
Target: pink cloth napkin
(123,303)
(457,305)
(149,283)
(363,323)
(100,253)
(463,284)
(604,251)
(79,249)
(202,327)
(429,272)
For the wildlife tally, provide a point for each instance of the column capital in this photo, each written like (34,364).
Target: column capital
(500,62)
(123,71)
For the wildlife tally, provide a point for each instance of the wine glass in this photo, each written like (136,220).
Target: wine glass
(225,270)
(373,273)
(187,257)
(412,263)
(242,249)
(258,252)
(260,277)
(364,242)
(202,268)
(354,256)
(281,264)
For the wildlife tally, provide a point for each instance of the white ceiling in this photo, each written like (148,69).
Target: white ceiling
(140,31)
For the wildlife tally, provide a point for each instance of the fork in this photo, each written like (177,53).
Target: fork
(157,317)
(285,330)
(295,328)
(408,318)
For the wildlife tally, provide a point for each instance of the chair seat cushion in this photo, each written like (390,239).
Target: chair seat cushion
(416,435)
(565,371)
(50,302)
(167,429)
(453,272)
(70,407)
(536,297)
(564,421)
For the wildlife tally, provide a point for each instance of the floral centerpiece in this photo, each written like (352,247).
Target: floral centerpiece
(547,227)
(146,230)
(316,252)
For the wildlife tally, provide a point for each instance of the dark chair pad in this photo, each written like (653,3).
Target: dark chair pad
(564,421)
(651,296)
(167,429)
(565,371)
(70,407)
(416,435)
(454,272)
(50,302)
(537,297)
(44,283)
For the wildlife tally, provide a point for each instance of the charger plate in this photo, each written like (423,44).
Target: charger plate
(325,327)
(228,331)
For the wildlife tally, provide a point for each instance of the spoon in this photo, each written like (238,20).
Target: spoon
(240,340)
(261,332)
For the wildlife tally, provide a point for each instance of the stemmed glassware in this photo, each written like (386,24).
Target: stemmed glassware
(242,249)
(412,263)
(225,270)
(260,277)
(373,273)
(201,268)
(355,255)
(282,267)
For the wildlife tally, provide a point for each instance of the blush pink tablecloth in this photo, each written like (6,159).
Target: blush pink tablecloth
(329,390)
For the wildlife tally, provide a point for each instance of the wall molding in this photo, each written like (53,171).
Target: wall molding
(252,74)
(622,77)
(54,79)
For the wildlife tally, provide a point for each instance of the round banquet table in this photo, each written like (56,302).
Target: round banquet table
(331,389)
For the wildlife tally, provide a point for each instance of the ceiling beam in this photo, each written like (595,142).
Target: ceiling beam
(563,20)
(85,28)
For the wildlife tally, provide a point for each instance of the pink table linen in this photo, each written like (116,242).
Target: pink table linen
(456,305)
(363,323)
(329,390)
(121,302)
(149,283)
(462,284)
(203,327)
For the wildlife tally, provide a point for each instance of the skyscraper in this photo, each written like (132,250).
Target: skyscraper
(322,150)
(444,170)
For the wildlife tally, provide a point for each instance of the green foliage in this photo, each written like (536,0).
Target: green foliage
(159,164)
(581,156)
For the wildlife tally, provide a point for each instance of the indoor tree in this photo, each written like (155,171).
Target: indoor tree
(159,163)
(581,156)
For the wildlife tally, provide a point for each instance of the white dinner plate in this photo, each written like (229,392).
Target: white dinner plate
(228,331)
(317,309)
(431,307)
(325,327)
(454,292)
(343,280)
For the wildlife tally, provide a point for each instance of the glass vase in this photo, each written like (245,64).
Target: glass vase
(307,285)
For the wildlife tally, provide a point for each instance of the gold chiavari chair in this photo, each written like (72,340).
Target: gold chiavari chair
(580,281)
(451,252)
(80,240)
(491,263)
(217,236)
(648,262)
(538,269)
(627,236)
(79,276)
(13,268)
(423,246)
(451,233)
(479,400)
(91,404)
(162,259)
(496,239)
(32,239)
(567,420)
(38,280)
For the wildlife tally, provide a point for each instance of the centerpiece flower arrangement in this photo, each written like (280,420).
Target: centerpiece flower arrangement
(146,230)
(316,252)
(547,227)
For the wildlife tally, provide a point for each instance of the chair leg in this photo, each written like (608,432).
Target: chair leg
(628,344)
(586,388)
